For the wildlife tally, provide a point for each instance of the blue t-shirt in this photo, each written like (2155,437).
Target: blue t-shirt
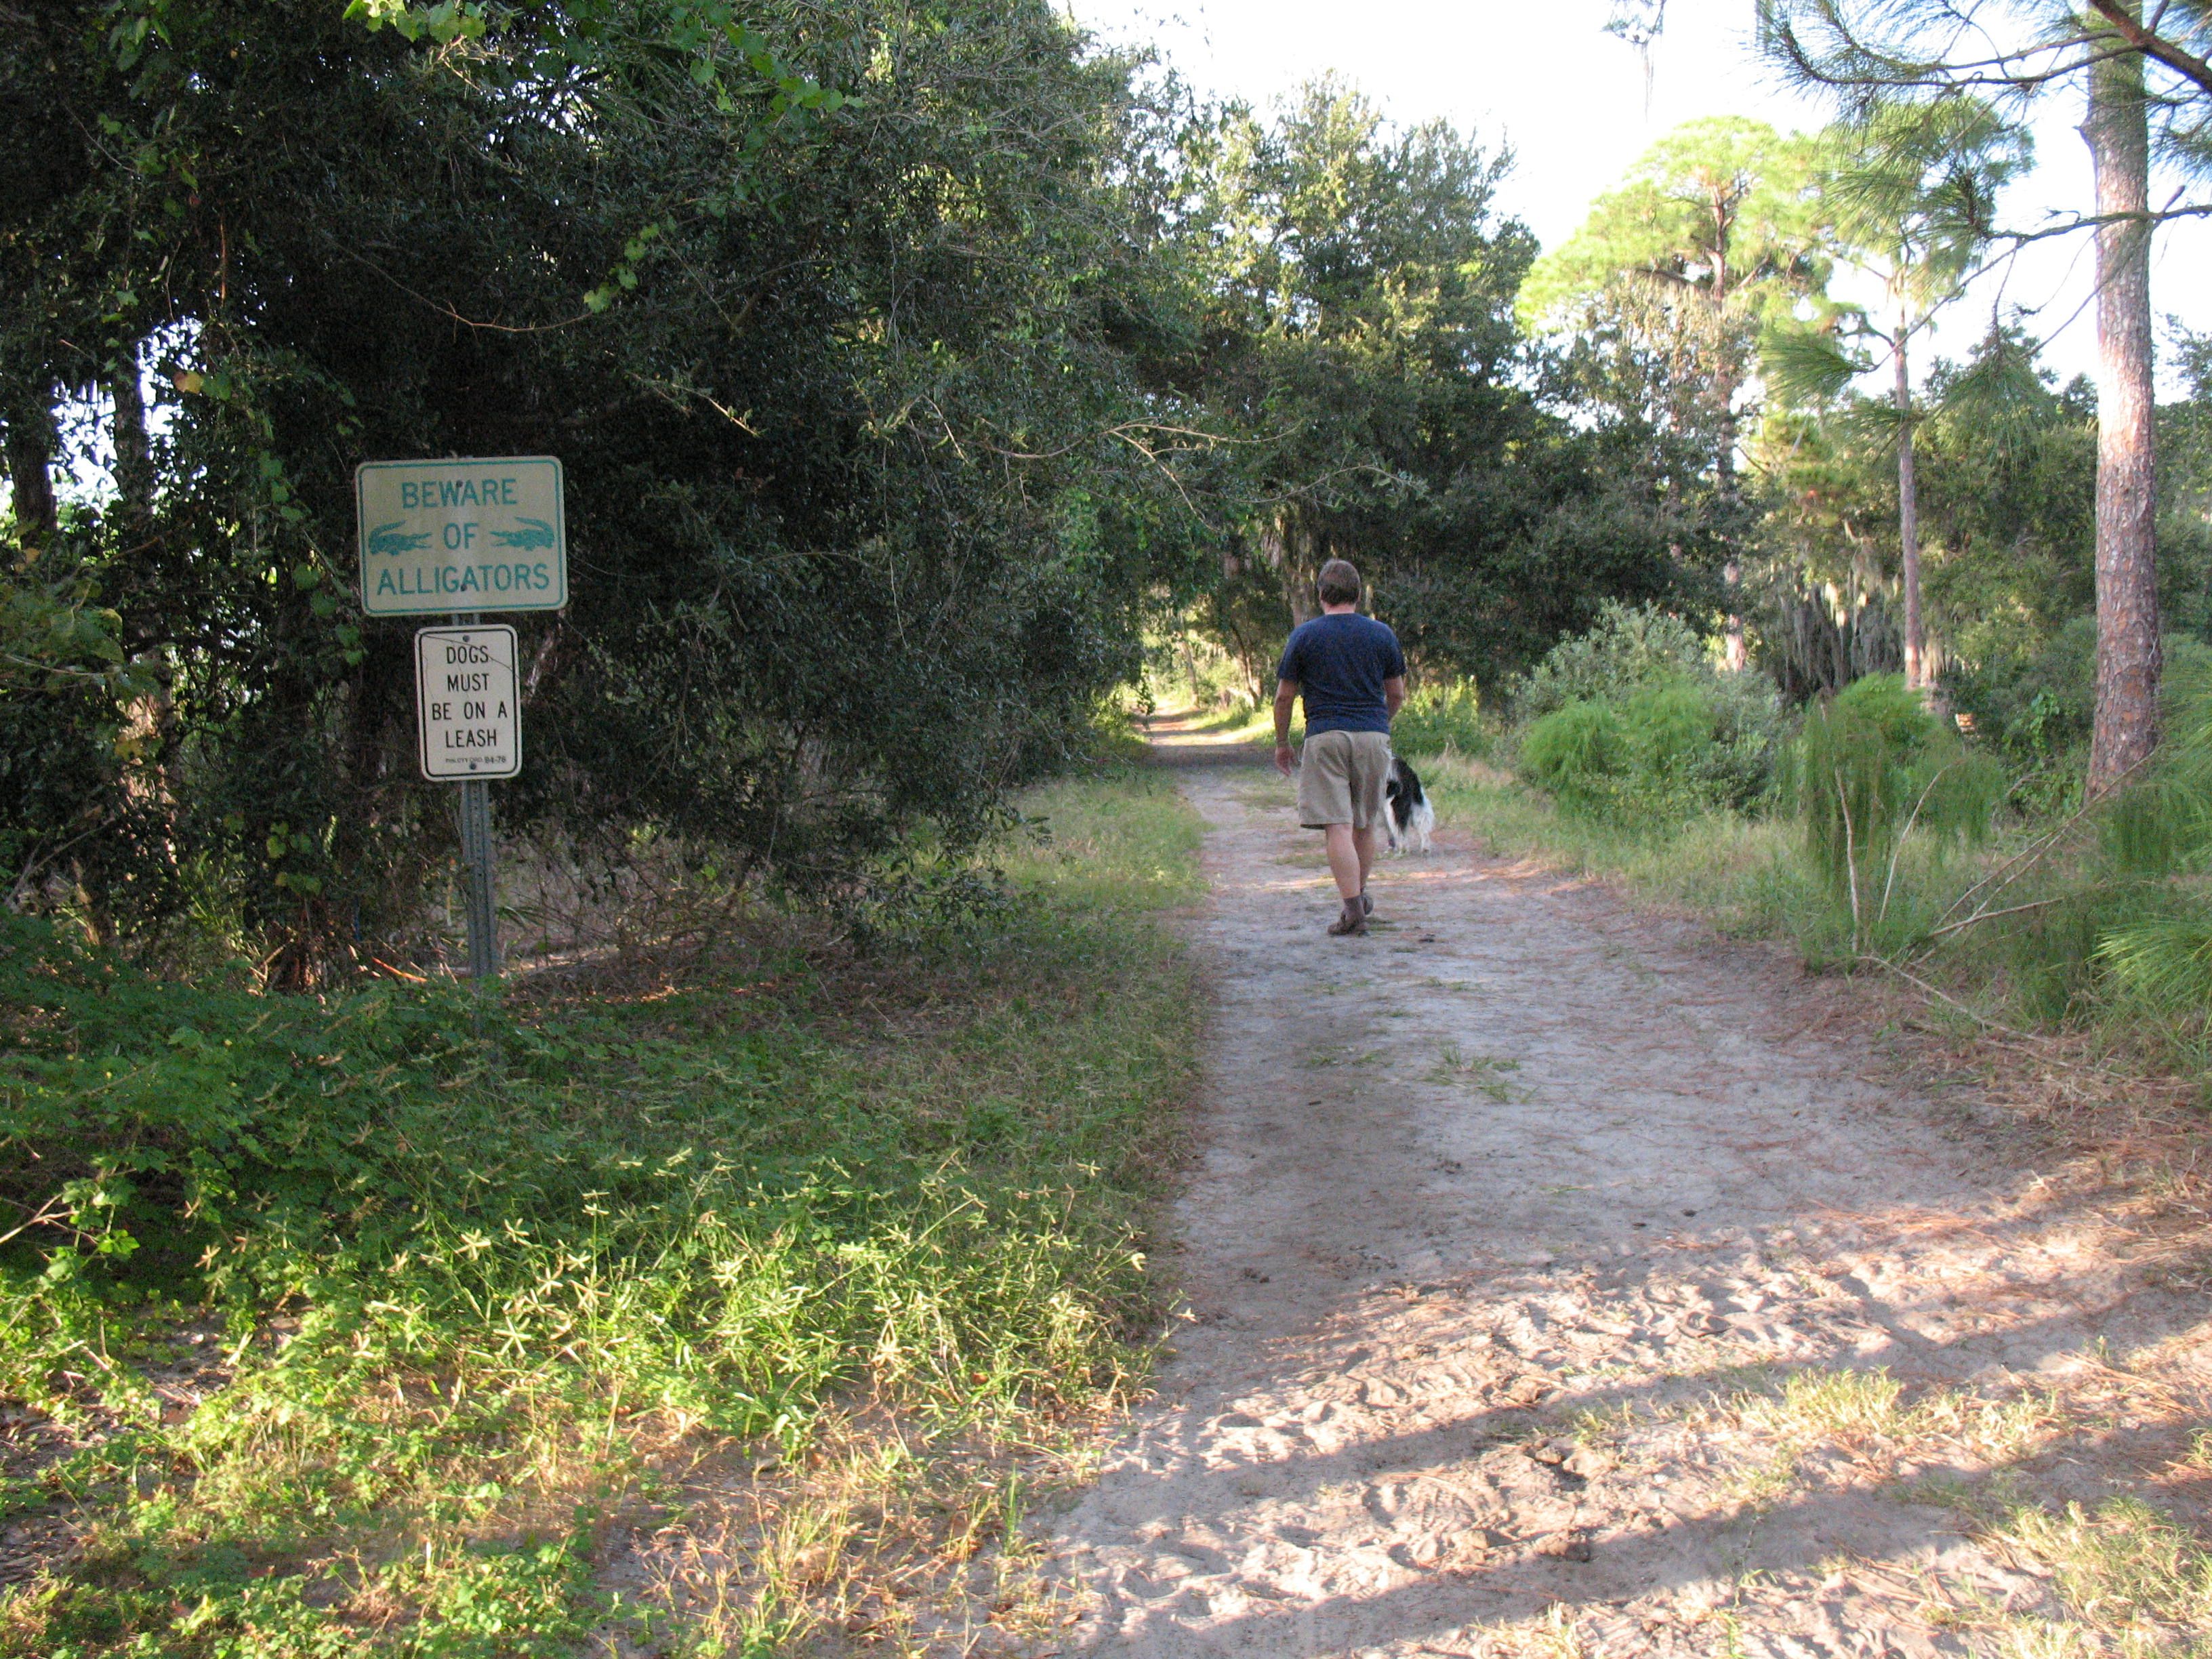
(1340,663)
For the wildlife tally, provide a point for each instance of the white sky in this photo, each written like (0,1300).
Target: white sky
(1570,101)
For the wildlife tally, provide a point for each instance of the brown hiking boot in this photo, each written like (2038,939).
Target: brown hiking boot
(1354,921)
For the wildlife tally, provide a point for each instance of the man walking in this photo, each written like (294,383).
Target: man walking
(1352,676)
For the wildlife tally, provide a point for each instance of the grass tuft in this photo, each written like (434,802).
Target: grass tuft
(2134,1582)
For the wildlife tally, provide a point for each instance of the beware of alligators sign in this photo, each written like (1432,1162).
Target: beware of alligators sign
(461,536)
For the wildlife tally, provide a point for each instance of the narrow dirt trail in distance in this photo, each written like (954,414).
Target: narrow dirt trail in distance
(1540,1269)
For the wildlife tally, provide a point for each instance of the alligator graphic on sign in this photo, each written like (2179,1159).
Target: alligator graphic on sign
(388,539)
(535,532)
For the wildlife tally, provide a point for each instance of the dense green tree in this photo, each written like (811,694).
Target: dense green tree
(2184,492)
(1354,292)
(1819,594)
(823,309)
(2008,500)
(2006,485)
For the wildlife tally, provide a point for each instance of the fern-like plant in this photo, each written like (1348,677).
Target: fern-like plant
(1871,765)
(2158,830)
(1573,752)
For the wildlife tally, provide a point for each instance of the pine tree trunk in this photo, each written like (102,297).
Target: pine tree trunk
(1735,656)
(2126,727)
(1908,520)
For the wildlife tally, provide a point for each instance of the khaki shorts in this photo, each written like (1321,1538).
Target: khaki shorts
(1340,779)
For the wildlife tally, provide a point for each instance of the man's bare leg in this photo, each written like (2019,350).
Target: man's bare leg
(1351,855)
(1351,858)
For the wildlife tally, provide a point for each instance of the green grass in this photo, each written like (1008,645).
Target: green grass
(368,1320)
(1124,843)
(2127,1574)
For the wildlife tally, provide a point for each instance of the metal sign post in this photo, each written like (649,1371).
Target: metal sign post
(456,538)
(477,875)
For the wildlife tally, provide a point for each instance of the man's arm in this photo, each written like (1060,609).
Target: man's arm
(1286,699)
(1394,695)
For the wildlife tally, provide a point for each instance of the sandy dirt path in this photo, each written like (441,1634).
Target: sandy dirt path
(1536,1263)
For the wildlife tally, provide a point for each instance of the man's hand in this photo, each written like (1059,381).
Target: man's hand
(1286,702)
(1283,759)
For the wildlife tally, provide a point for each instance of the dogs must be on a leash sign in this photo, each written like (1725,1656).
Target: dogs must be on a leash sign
(439,536)
(465,707)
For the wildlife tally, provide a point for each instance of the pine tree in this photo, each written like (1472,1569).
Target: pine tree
(1714,235)
(1911,198)
(1925,53)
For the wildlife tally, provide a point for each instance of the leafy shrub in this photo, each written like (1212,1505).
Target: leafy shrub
(2162,825)
(1750,730)
(135,1113)
(2108,918)
(1661,753)
(1671,728)
(1899,715)
(1442,715)
(2035,702)
(2032,704)
(513,1260)
(2166,962)
(1630,647)
(786,1210)
(1685,736)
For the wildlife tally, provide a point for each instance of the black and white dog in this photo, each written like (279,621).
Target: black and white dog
(1407,817)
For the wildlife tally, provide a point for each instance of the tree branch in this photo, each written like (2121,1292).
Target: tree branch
(2151,45)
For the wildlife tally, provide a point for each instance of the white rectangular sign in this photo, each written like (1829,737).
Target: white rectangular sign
(465,706)
(468,534)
